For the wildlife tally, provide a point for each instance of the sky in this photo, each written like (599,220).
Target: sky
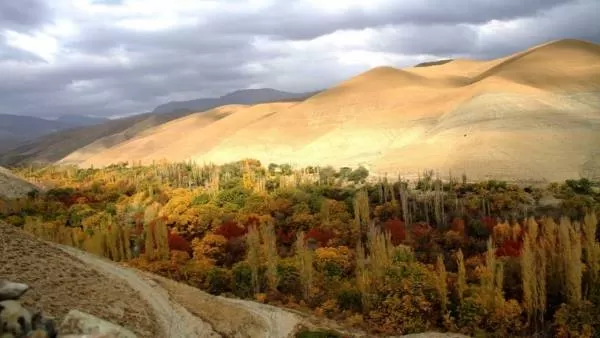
(120,57)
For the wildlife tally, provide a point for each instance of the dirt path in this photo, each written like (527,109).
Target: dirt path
(233,317)
(63,278)
(173,319)
(60,283)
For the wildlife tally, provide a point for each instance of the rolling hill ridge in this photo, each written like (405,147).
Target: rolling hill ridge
(533,115)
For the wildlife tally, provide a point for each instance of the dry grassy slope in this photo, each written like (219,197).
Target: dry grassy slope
(12,186)
(180,139)
(534,114)
(53,147)
(170,131)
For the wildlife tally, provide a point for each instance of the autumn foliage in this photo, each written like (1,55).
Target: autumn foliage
(397,230)
(388,257)
(178,243)
(231,229)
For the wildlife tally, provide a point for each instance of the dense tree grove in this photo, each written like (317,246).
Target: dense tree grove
(389,257)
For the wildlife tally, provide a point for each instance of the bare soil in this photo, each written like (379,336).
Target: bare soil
(12,186)
(63,278)
(59,283)
(174,321)
(232,317)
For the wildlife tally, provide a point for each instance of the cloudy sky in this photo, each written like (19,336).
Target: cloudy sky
(116,57)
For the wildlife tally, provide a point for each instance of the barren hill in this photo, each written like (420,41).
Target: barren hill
(534,115)
(182,138)
(171,131)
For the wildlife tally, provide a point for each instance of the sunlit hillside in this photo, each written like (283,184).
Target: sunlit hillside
(534,115)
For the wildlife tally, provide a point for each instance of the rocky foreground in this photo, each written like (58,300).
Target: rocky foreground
(68,293)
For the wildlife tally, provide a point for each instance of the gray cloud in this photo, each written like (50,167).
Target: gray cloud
(290,20)
(107,2)
(9,53)
(23,14)
(432,39)
(575,19)
(110,70)
(578,19)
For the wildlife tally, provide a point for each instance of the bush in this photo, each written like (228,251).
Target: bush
(289,278)
(236,196)
(179,258)
(321,236)
(195,272)
(15,220)
(218,281)
(471,314)
(201,199)
(405,300)
(582,320)
(358,175)
(397,230)
(333,262)
(317,334)
(242,280)
(349,298)
(176,242)
(480,228)
(230,229)
(211,247)
(582,186)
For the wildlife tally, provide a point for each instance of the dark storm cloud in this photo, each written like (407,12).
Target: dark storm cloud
(290,20)
(160,63)
(576,19)
(23,15)
(109,70)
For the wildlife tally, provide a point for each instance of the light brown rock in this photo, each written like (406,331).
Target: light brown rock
(83,323)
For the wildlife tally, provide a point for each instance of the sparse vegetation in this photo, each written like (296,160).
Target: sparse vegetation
(388,257)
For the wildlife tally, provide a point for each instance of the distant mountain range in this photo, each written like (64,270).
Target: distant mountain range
(15,129)
(24,138)
(246,96)
(81,121)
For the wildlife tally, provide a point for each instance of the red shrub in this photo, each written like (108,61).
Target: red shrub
(320,235)
(509,247)
(397,230)
(458,225)
(421,230)
(231,229)
(176,242)
(285,237)
(489,223)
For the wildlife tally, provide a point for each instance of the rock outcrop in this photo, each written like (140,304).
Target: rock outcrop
(16,321)
(12,186)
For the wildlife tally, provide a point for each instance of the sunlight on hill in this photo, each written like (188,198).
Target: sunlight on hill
(510,117)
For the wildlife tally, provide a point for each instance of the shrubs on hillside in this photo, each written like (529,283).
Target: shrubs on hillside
(477,258)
